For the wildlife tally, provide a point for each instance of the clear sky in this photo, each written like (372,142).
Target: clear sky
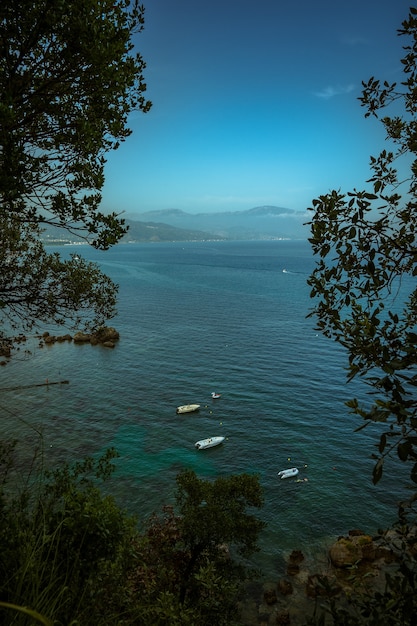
(254,103)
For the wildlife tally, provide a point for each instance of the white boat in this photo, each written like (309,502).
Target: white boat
(208,443)
(215,395)
(188,408)
(288,473)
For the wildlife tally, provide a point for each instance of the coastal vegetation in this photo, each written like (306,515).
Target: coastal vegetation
(366,300)
(72,556)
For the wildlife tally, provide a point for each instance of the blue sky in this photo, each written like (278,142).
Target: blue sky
(254,103)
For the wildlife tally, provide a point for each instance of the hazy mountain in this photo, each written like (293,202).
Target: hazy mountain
(264,222)
(157,231)
(138,231)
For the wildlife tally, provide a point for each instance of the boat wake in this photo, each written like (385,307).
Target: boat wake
(284,271)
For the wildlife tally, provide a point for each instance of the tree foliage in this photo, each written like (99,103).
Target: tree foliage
(69,77)
(70,555)
(192,557)
(366,299)
(66,547)
(36,285)
(68,82)
(364,280)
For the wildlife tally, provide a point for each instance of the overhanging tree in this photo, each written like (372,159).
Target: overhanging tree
(36,285)
(364,280)
(69,77)
(364,284)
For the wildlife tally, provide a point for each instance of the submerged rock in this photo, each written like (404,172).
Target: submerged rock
(285,587)
(270,594)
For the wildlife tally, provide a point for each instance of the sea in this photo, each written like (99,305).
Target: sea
(196,318)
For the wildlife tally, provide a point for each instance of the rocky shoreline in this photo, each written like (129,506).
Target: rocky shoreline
(354,564)
(106,336)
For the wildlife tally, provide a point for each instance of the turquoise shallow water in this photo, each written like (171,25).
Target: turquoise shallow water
(196,318)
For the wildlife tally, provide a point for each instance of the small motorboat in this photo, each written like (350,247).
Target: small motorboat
(209,443)
(288,473)
(188,408)
(215,395)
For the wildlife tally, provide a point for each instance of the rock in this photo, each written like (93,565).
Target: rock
(80,337)
(293,569)
(366,546)
(283,619)
(344,553)
(296,556)
(107,333)
(322,585)
(285,587)
(270,595)
(350,550)
(107,336)
(62,338)
(386,554)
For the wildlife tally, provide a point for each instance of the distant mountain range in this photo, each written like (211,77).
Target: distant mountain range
(265,222)
(138,232)
(157,231)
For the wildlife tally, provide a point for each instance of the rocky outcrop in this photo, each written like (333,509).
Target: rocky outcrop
(106,336)
(344,553)
(352,550)
(81,337)
(354,563)
(50,339)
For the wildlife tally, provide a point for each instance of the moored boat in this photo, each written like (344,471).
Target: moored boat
(288,473)
(209,443)
(188,408)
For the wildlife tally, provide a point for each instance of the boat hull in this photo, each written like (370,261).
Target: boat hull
(209,443)
(288,473)
(188,408)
